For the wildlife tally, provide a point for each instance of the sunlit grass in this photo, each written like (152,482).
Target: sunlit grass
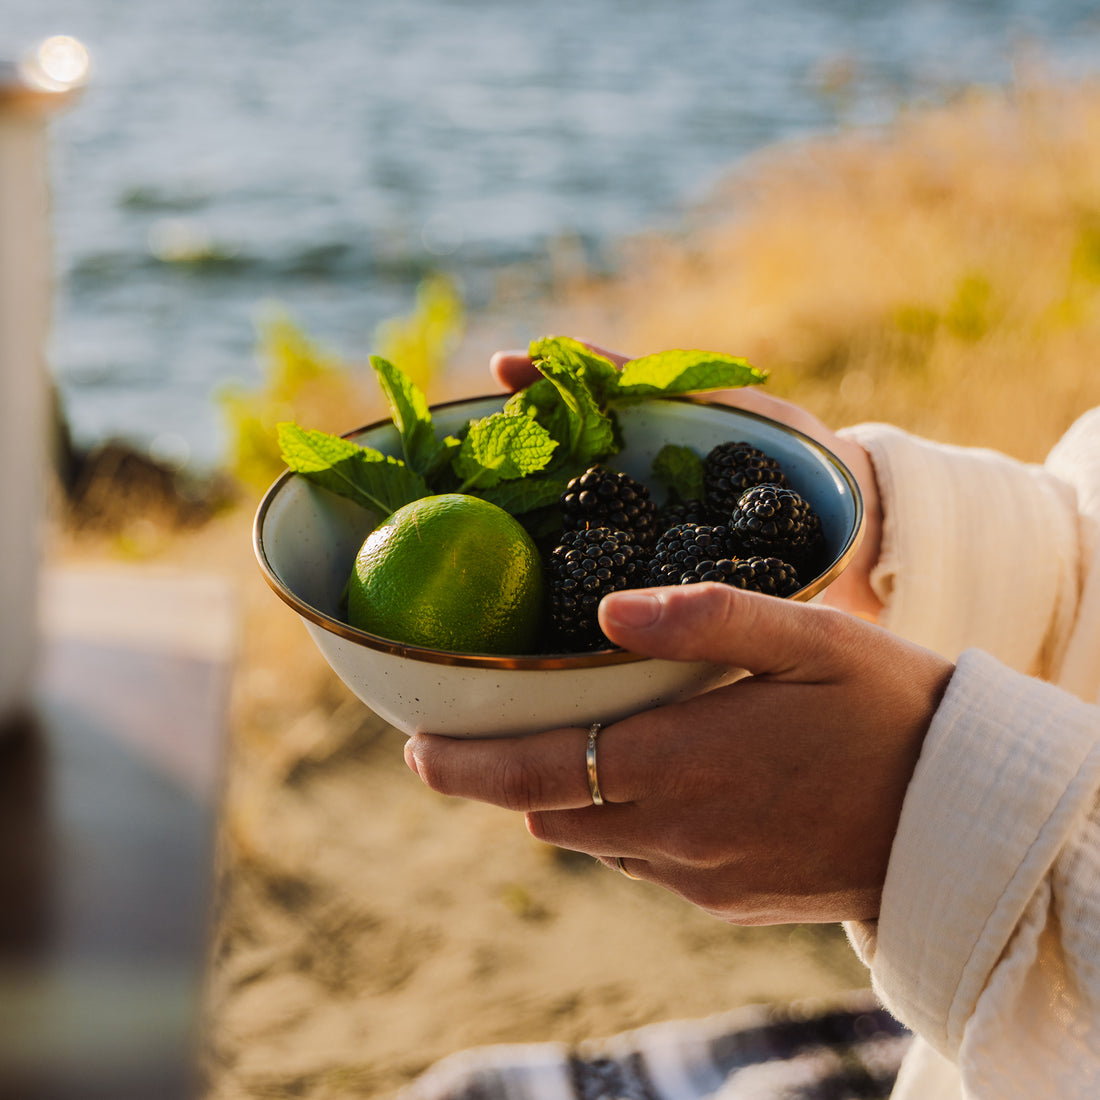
(944,275)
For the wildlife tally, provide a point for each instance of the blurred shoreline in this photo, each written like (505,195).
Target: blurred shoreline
(931,275)
(329,156)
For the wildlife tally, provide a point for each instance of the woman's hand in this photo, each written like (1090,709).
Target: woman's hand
(772,799)
(851,591)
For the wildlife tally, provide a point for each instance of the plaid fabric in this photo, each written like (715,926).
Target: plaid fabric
(844,1050)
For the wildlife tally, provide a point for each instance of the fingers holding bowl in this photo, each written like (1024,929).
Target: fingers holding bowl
(575,786)
(562,769)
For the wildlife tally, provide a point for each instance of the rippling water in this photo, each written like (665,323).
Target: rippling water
(326,154)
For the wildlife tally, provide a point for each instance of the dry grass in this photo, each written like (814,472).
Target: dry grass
(944,276)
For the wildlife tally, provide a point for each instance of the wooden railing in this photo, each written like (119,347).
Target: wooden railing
(31,92)
(110,785)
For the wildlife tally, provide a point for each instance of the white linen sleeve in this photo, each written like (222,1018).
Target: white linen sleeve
(978,549)
(988,939)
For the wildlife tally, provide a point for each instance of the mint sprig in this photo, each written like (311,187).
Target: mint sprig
(374,480)
(423,452)
(578,421)
(501,447)
(521,457)
(679,372)
(528,495)
(599,376)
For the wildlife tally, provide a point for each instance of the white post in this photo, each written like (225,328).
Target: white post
(29,93)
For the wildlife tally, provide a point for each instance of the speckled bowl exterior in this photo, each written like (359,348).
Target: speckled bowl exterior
(306,539)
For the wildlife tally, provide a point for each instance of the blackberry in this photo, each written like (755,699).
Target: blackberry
(769,575)
(731,468)
(603,498)
(691,552)
(681,511)
(770,521)
(583,568)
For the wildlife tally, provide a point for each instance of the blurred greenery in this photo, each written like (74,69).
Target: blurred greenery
(291,363)
(422,343)
(309,384)
(968,315)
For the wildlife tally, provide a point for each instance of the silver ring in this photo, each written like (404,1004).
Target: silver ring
(590,764)
(622,869)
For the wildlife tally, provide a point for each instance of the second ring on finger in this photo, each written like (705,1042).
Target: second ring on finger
(624,870)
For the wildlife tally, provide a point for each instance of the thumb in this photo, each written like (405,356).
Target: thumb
(716,622)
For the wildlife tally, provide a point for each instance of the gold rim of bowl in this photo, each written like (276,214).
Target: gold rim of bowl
(595,659)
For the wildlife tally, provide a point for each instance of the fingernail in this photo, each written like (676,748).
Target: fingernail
(410,758)
(632,609)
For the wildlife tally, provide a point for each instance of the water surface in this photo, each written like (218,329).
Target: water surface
(326,155)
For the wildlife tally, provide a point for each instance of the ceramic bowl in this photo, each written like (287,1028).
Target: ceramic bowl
(306,539)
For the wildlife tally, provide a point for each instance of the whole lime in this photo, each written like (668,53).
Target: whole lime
(450,572)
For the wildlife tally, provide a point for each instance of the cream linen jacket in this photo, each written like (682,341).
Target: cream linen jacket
(988,940)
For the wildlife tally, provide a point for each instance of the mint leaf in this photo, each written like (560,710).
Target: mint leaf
(423,452)
(598,374)
(584,429)
(671,373)
(542,403)
(539,399)
(527,494)
(373,480)
(501,447)
(681,470)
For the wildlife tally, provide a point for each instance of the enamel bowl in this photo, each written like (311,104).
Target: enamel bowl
(306,540)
